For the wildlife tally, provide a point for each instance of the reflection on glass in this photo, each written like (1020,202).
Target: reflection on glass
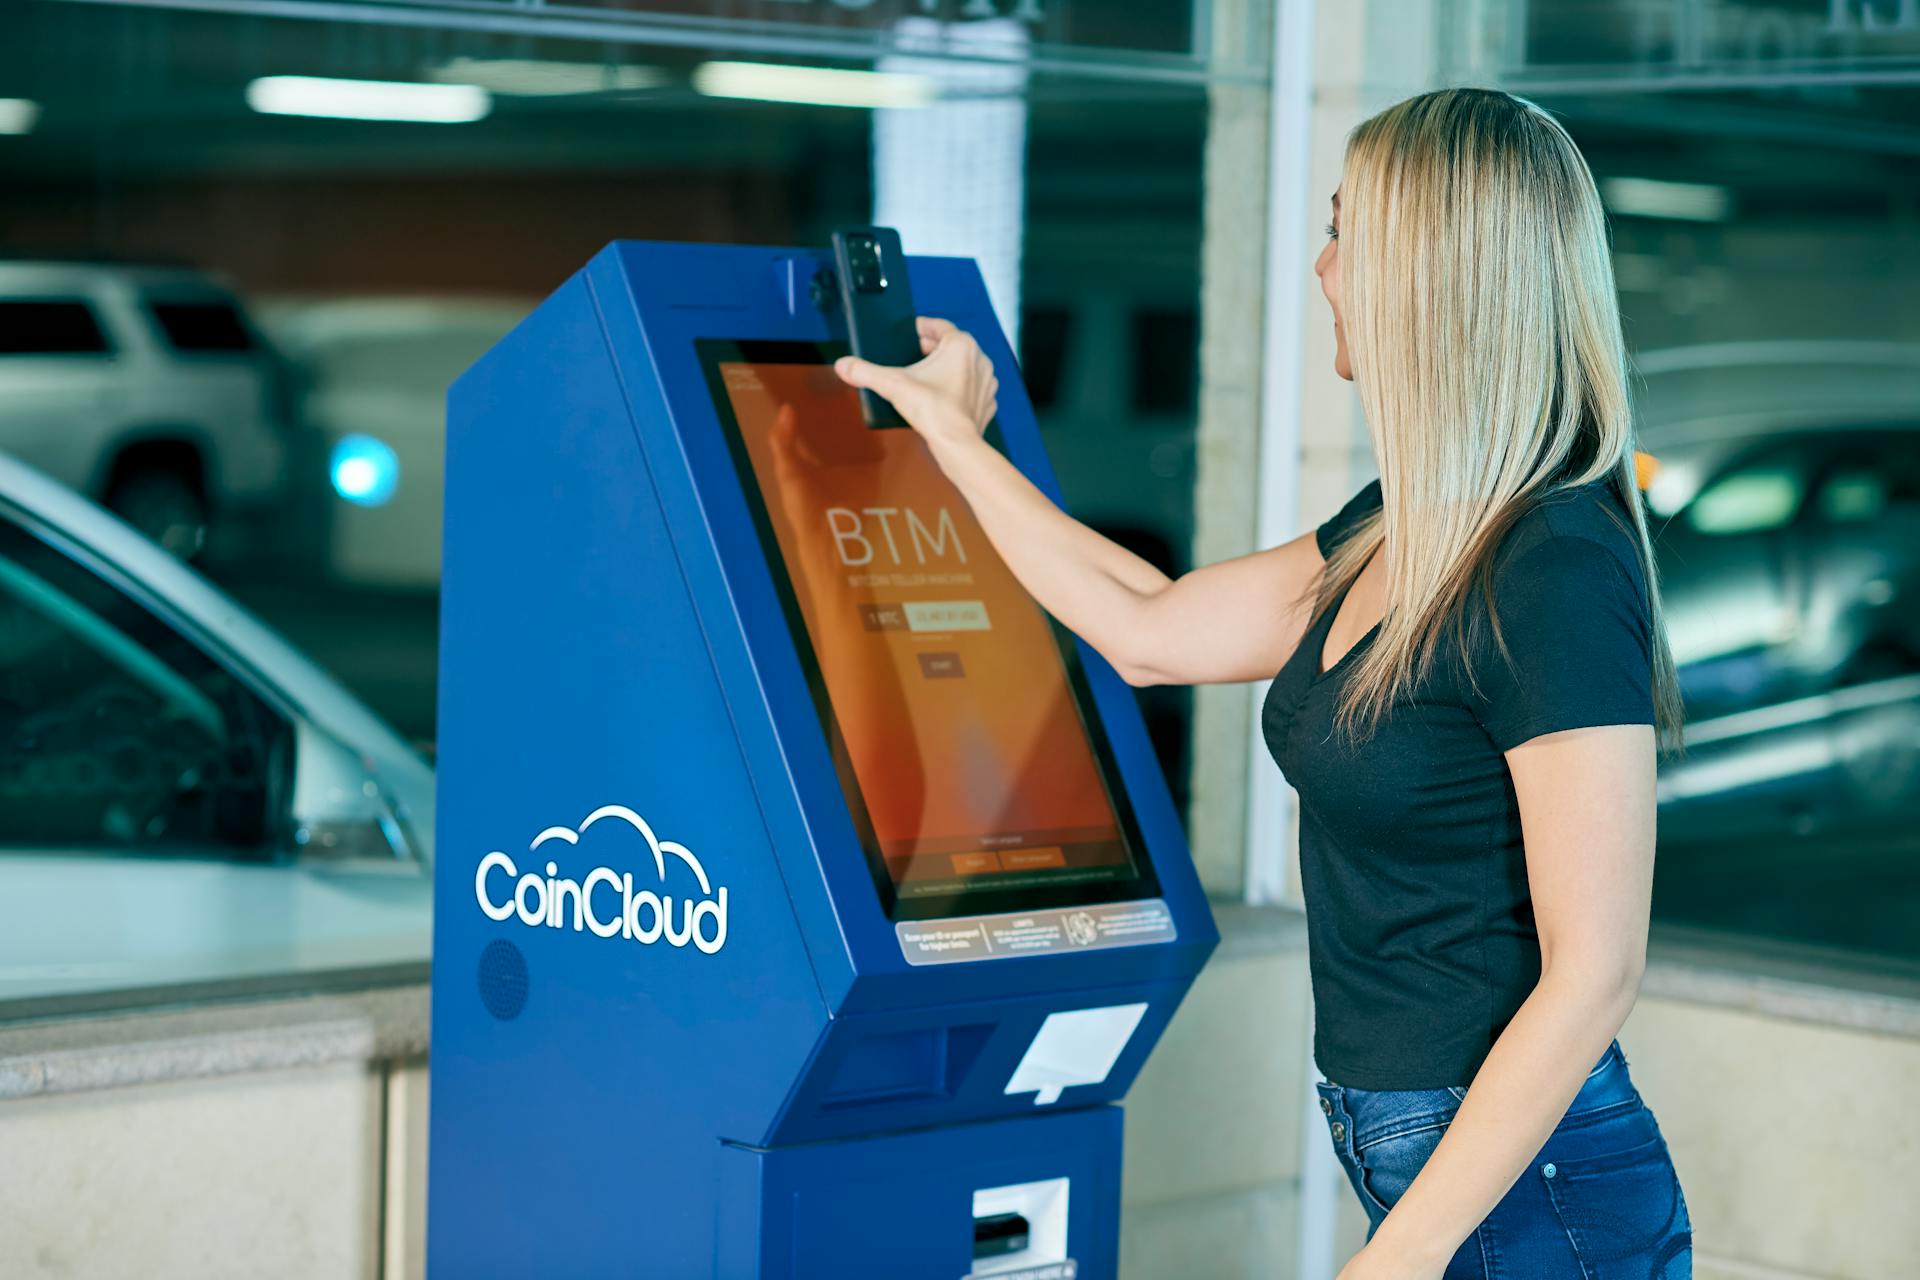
(1780,389)
(1750,502)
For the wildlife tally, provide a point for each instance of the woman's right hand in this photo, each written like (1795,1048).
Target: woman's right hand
(947,396)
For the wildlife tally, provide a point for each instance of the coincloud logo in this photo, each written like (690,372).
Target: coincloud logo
(604,902)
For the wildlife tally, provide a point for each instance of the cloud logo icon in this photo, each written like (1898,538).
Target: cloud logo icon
(604,902)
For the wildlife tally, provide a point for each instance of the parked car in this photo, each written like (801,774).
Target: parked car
(146,388)
(377,371)
(1786,512)
(185,801)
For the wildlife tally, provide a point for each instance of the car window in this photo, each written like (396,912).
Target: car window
(201,326)
(1756,498)
(51,327)
(118,735)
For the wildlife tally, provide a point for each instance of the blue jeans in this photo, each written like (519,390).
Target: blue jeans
(1600,1202)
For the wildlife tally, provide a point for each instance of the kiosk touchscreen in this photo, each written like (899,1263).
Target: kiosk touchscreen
(950,704)
(806,898)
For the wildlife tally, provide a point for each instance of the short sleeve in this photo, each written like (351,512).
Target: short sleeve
(1336,527)
(1578,640)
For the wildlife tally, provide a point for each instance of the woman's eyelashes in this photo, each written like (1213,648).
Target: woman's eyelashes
(1333,232)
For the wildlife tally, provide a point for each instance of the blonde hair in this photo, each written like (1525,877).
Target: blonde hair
(1484,335)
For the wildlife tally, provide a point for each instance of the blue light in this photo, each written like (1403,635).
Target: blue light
(365,471)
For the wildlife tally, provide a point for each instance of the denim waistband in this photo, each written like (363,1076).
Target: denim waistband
(1607,1085)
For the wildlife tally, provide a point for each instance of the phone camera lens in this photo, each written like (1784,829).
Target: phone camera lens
(863,258)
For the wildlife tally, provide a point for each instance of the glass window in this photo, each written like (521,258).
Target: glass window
(50,327)
(201,326)
(352,269)
(118,736)
(1764,251)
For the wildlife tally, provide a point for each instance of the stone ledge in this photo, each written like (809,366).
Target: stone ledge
(68,1055)
(1797,984)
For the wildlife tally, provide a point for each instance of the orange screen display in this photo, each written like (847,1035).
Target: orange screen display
(955,712)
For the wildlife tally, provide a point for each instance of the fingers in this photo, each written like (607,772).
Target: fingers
(932,327)
(883,380)
(853,371)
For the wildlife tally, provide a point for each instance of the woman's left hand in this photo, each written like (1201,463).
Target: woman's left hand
(946,396)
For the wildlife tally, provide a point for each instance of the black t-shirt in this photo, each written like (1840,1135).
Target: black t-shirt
(1420,930)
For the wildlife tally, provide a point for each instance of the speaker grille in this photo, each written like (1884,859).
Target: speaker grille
(503,980)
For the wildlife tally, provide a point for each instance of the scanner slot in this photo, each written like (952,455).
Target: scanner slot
(997,1234)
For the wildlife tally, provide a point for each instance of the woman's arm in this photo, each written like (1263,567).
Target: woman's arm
(1233,621)
(1587,815)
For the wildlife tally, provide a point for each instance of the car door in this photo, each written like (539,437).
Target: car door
(165,823)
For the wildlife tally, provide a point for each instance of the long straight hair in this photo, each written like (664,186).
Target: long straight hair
(1485,341)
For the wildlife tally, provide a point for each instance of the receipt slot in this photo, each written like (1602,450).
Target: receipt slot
(805,898)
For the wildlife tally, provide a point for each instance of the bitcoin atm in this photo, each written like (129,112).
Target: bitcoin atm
(805,899)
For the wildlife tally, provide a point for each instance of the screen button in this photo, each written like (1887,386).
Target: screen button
(1033,859)
(976,864)
(944,665)
(947,615)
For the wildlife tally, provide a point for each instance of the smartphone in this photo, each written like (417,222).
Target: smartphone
(872,274)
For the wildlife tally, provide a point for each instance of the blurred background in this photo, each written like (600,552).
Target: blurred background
(246,244)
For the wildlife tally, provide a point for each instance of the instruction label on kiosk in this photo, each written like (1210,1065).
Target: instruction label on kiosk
(1017,933)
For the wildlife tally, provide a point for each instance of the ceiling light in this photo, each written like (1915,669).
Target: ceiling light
(812,86)
(369,99)
(18,115)
(1658,198)
(541,78)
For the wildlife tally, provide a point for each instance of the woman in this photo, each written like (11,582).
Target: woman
(1470,681)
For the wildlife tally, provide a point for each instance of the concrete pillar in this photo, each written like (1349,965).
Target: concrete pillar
(1232,263)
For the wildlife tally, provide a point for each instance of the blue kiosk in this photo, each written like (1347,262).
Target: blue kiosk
(805,899)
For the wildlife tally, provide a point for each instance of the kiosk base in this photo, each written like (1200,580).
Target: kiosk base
(1035,1198)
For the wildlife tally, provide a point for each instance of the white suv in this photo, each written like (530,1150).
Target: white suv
(146,388)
